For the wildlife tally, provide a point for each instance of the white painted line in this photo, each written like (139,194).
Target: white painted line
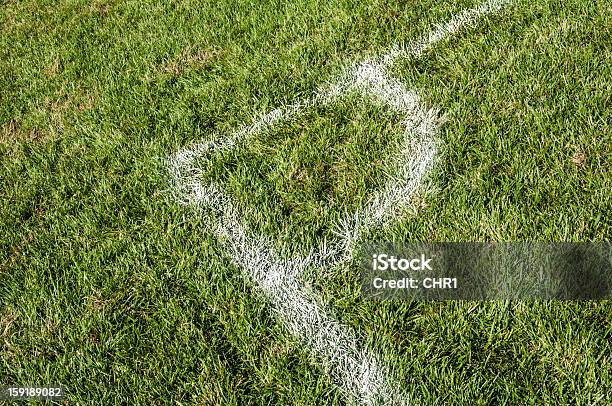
(467,17)
(412,161)
(328,92)
(357,372)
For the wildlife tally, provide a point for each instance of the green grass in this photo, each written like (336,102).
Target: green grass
(112,289)
(299,179)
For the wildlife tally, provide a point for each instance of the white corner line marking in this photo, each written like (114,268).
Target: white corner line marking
(357,372)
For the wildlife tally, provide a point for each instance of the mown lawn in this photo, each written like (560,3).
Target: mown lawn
(111,288)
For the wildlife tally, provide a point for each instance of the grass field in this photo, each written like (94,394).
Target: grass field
(113,289)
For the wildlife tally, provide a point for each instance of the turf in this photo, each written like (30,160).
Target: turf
(112,289)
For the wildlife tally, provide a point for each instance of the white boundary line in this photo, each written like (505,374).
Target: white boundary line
(357,372)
